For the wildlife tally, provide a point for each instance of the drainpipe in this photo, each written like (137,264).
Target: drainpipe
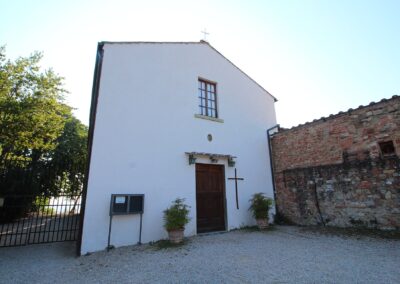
(272,166)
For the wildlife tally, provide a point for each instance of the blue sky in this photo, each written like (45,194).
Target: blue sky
(316,57)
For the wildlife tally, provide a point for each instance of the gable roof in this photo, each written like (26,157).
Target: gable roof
(189,42)
(93,111)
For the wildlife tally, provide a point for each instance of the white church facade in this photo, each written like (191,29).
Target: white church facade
(173,120)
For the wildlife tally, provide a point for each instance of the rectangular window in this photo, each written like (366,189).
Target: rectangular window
(207,93)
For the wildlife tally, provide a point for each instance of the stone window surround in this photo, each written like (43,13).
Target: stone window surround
(209,118)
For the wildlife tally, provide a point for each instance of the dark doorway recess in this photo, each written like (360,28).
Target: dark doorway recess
(210,198)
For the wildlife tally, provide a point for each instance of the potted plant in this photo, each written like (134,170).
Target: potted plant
(175,219)
(260,205)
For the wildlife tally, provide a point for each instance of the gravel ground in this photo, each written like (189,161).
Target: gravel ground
(283,255)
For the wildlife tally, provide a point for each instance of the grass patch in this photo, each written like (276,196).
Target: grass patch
(166,244)
(353,232)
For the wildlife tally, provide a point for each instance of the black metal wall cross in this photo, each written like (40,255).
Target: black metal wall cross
(236,187)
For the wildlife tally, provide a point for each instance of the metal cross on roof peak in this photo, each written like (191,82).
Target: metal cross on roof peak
(205,34)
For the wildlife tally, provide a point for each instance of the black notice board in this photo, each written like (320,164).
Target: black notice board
(125,204)
(135,204)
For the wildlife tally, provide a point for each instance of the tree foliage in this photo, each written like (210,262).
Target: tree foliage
(42,145)
(68,159)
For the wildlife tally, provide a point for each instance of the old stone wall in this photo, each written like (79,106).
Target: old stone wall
(343,170)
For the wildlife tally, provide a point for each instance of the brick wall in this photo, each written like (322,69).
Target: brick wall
(341,170)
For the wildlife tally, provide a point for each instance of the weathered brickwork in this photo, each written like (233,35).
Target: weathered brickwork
(343,170)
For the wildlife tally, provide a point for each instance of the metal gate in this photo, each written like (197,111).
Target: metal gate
(28,219)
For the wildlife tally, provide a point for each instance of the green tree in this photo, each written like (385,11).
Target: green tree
(42,146)
(68,159)
(32,112)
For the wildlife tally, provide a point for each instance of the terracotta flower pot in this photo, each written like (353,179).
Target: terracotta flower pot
(262,223)
(175,236)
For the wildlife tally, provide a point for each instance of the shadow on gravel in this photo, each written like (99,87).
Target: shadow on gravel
(352,232)
(66,249)
(256,229)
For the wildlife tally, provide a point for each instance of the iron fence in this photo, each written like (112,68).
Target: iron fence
(30,219)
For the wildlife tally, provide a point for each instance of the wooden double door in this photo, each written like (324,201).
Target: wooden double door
(210,198)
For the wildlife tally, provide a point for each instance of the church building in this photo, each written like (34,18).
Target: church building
(172,120)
